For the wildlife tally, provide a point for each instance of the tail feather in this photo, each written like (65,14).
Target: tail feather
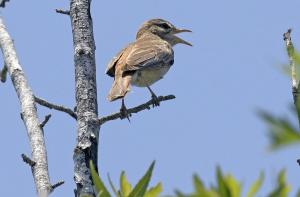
(119,88)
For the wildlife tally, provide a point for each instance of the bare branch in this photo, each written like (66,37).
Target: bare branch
(60,11)
(57,184)
(291,53)
(134,109)
(27,160)
(45,120)
(56,107)
(29,113)
(3,74)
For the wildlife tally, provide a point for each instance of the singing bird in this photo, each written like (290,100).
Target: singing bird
(144,61)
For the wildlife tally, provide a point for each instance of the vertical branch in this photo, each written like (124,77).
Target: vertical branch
(291,53)
(29,113)
(86,96)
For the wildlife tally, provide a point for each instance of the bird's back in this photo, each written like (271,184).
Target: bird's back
(148,51)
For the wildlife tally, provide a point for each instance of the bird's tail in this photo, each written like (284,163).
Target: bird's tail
(119,88)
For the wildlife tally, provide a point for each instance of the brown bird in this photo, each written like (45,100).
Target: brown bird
(144,61)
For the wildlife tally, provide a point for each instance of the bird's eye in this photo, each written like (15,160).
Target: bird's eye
(164,26)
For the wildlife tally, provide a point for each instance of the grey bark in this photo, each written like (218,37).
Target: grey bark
(28,112)
(86,96)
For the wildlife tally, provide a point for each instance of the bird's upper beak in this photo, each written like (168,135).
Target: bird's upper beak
(179,40)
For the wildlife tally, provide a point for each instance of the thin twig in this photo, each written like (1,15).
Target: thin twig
(134,109)
(291,53)
(57,184)
(45,120)
(27,160)
(56,107)
(60,11)
(3,74)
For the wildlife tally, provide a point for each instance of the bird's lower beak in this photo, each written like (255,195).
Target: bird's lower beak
(179,40)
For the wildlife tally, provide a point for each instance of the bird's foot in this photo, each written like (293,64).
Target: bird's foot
(124,112)
(155,101)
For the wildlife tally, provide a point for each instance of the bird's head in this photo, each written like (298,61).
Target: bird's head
(164,29)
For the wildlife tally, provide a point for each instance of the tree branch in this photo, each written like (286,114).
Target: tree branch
(28,110)
(57,184)
(60,11)
(45,120)
(291,53)
(86,96)
(56,107)
(27,160)
(134,109)
(3,74)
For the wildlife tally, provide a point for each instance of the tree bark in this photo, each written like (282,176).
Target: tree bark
(86,96)
(39,165)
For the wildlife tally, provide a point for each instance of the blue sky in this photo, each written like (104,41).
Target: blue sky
(233,70)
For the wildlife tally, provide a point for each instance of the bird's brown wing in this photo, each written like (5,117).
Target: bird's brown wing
(110,69)
(148,52)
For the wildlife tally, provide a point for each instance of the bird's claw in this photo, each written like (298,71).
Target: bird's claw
(155,101)
(124,113)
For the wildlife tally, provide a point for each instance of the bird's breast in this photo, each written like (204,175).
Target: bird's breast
(148,76)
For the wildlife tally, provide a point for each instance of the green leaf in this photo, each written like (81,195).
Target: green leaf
(154,191)
(282,189)
(222,188)
(179,194)
(198,185)
(140,189)
(113,187)
(281,131)
(125,187)
(200,190)
(256,185)
(233,186)
(99,185)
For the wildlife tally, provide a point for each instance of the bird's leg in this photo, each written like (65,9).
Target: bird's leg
(155,100)
(124,111)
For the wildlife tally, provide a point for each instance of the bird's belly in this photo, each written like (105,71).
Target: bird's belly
(148,76)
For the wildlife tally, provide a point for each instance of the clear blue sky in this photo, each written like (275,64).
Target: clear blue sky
(233,70)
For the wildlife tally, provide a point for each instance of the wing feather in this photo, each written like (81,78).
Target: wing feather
(148,53)
(142,53)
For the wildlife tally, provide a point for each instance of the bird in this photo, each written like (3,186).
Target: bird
(144,61)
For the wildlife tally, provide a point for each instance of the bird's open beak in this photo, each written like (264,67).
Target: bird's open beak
(177,31)
(179,40)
